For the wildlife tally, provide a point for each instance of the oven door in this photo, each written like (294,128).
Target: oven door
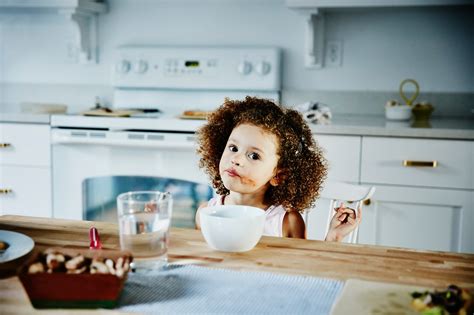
(92,167)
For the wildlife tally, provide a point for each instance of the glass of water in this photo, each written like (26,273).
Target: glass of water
(144,221)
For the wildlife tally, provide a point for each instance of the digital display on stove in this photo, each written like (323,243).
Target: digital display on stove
(191,63)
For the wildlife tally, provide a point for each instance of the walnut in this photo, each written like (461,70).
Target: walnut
(99,267)
(122,266)
(110,265)
(54,261)
(75,263)
(4,245)
(36,268)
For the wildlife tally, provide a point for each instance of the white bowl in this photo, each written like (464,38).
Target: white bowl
(398,112)
(232,228)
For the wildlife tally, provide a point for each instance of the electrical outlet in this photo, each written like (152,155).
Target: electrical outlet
(333,56)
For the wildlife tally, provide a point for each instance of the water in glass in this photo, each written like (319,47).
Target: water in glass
(144,221)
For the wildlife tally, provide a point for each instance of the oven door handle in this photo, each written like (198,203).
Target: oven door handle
(159,144)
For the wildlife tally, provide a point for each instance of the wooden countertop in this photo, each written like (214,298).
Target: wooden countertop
(281,255)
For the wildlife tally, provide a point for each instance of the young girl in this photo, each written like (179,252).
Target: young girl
(263,155)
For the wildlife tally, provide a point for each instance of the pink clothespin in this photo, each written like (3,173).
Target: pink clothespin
(94,239)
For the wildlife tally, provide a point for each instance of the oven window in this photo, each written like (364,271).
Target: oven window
(100,193)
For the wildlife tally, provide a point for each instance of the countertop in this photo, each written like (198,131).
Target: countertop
(353,125)
(272,254)
(437,128)
(12,117)
(26,118)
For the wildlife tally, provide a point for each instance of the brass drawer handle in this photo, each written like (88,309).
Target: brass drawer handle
(367,202)
(5,145)
(410,163)
(5,191)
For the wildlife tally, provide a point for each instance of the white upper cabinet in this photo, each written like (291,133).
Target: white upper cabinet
(326,4)
(82,13)
(84,5)
(313,12)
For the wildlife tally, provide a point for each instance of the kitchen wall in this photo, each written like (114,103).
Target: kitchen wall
(380,48)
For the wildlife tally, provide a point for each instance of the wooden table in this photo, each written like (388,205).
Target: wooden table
(282,255)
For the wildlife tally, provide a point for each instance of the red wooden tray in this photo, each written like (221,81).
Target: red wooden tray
(62,290)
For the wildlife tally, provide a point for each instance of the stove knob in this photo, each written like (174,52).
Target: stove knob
(244,67)
(123,66)
(140,66)
(263,68)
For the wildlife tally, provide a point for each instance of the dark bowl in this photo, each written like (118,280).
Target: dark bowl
(422,113)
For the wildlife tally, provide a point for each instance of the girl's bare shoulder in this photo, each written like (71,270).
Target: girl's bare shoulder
(196,219)
(293,225)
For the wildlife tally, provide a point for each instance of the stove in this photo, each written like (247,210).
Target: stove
(175,79)
(97,158)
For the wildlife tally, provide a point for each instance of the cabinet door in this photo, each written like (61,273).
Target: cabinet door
(28,144)
(30,191)
(343,155)
(419,218)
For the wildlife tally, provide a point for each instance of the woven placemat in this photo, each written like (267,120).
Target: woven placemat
(195,289)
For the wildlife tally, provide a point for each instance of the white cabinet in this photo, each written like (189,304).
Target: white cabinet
(343,155)
(30,191)
(25,144)
(418,162)
(25,170)
(420,218)
(424,196)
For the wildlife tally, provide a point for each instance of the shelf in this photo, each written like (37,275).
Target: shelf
(313,13)
(83,14)
(334,4)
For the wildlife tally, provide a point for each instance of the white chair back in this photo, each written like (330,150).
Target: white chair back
(351,195)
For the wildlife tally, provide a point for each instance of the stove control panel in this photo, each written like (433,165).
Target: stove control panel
(219,68)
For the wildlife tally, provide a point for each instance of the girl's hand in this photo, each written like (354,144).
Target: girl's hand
(342,223)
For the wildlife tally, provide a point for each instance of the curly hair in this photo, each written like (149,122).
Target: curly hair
(301,161)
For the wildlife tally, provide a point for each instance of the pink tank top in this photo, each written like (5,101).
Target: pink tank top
(273,217)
